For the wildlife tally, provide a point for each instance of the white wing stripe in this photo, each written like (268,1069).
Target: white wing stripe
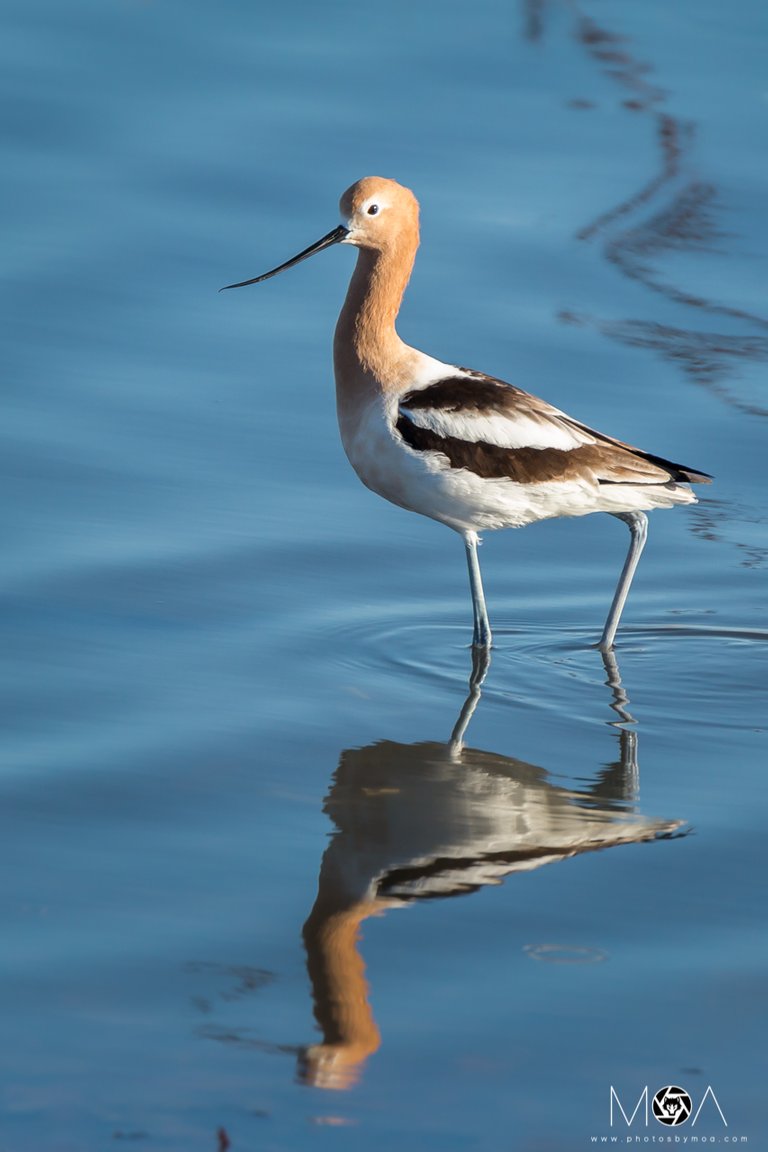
(502,429)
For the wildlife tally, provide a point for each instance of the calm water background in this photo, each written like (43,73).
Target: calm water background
(204,615)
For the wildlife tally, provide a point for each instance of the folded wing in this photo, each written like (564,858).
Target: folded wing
(496,430)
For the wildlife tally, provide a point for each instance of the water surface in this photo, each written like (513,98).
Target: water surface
(253,894)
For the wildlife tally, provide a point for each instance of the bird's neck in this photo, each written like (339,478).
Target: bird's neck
(366,341)
(340,991)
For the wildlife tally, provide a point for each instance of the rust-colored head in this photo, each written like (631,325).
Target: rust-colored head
(378,212)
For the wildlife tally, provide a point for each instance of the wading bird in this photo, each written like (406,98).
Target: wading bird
(456,445)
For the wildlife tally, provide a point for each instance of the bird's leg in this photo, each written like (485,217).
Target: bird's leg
(481,662)
(620,702)
(638,526)
(481,637)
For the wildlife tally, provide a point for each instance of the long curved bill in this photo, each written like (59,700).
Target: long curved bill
(334,237)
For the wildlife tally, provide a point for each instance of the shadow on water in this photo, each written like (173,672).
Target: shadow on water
(432,820)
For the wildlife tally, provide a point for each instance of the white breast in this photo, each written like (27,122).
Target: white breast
(425,482)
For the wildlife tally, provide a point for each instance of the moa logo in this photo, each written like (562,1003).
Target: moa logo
(670,1106)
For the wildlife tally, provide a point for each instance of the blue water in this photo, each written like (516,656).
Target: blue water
(231,674)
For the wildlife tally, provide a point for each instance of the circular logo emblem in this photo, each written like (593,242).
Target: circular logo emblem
(671,1105)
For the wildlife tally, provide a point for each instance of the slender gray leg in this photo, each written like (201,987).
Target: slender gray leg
(638,526)
(481,662)
(620,702)
(481,637)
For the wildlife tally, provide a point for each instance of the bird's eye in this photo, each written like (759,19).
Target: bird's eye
(374,208)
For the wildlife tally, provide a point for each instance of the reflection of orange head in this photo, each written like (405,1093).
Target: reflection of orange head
(340,990)
(332,1066)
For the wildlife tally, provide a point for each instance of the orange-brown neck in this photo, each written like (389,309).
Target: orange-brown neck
(340,992)
(366,340)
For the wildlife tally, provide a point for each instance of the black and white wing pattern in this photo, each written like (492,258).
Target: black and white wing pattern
(496,431)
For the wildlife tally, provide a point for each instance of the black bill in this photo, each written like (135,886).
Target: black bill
(334,237)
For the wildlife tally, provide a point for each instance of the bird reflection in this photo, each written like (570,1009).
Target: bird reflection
(426,820)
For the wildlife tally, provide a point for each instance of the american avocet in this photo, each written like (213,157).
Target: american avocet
(466,449)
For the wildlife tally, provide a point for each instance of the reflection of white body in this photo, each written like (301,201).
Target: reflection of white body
(413,821)
(425,820)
